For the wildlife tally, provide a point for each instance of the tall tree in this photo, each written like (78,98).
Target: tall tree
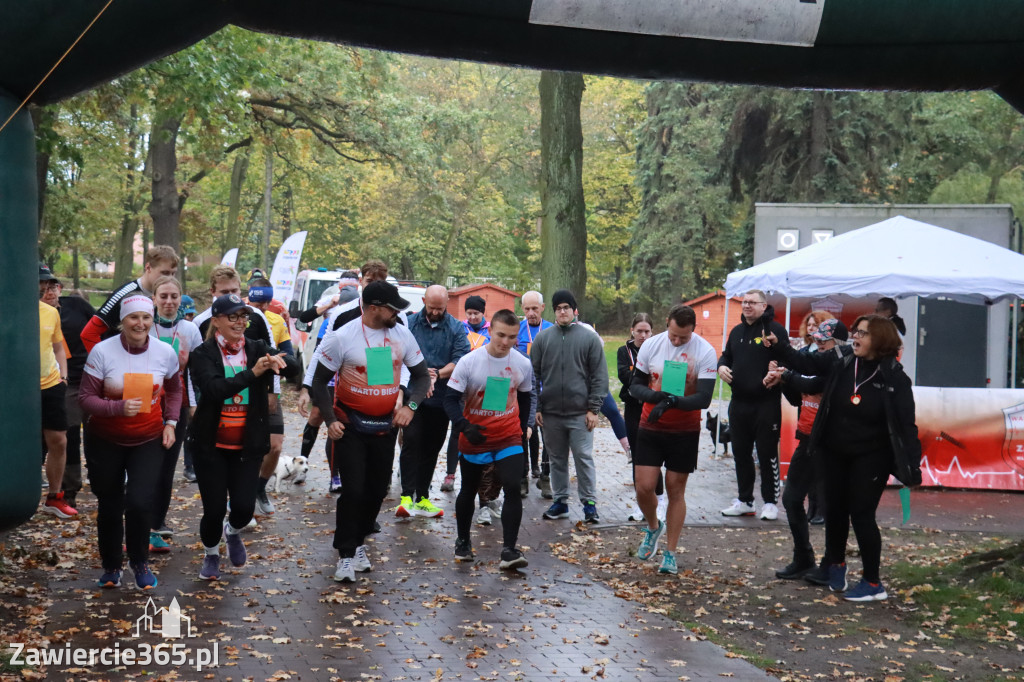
(563,219)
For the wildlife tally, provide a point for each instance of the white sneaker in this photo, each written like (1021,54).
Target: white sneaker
(495,510)
(739,509)
(251,525)
(483,517)
(636,514)
(769,512)
(345,573)
(662,507)
(361,562)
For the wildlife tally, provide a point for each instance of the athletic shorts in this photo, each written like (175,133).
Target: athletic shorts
(55,414)
(675,451)
(276,419)
(485,458)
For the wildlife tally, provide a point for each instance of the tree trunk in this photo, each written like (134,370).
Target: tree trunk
(129,222)
(40,118)
(165,208)
(441,272)
(76,281)
(563,225)
(819,121)
(286,213)
(238,171)
(268,186)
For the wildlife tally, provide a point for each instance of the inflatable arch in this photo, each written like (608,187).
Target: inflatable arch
(856,44)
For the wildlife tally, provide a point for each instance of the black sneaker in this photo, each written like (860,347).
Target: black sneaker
(376,528)
(796,569)
(512,559)
(817,576)
(463,550)
(524,487)
(189,475)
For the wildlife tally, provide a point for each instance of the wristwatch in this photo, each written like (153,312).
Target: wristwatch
(412,406)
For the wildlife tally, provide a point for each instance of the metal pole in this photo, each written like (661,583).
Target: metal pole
(788,302)
(1013,345)
(725,335)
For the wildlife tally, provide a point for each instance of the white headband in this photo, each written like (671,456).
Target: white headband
(136,303)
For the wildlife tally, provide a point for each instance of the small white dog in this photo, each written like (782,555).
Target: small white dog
(292,469)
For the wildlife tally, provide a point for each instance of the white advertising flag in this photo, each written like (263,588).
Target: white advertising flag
(286,267)
(230,256)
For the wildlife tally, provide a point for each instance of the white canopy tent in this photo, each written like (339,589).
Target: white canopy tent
(898,257)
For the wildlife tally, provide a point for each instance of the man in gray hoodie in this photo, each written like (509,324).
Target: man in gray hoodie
(569,362)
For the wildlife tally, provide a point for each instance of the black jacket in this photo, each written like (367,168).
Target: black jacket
(747,357)
(898,400)
(206,364)
(627,364)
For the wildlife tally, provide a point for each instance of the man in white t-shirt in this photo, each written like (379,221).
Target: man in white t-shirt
(674,379)
(491,403)
(364,414)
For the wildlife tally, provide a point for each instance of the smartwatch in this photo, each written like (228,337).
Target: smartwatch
(412,406)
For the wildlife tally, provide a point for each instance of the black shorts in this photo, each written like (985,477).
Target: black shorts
(55,414)
(276,419)
(675,451)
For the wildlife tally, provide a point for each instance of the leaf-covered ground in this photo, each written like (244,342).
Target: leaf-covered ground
(726,591)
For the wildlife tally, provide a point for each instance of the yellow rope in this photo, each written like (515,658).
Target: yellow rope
(54,67)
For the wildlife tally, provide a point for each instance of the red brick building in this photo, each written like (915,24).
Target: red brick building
(494,296)
(710,309)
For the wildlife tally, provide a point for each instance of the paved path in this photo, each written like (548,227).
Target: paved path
(418,615)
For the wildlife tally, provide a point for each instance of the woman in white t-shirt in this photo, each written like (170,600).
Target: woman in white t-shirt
(131,392)
(183,337)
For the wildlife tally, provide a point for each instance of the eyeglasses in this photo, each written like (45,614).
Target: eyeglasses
(753,303)
(860,333)
(234,317)
(564,308)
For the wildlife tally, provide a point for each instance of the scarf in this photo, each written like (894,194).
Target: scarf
(167,324)
(229,348)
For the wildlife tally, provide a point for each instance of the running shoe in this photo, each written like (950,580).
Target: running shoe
(649,544)
(448,484)
(236,548)
(211,567)
(544,486)
(512,559)
(739,509)
(662,507)
(345,572)
(769,512)
(865,591)
(590,514)
(558,510)
(427,509)
(463,550)
(483,517)
(837,577)
(524,488)
(636,514)
(144,577)
(56,504)
(157,545)
(164,531)
(668,563)
(405,507)
(189,474)
(264,507)
(361,562)
(110,579)
(335,484)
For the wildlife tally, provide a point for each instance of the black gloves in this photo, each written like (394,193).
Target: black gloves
(660,408)
(660,396)
(474,433)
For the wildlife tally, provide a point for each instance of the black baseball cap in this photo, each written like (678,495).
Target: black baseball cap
(45,275)
(227,304)
(384,294)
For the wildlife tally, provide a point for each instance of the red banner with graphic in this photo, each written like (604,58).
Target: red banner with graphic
(970,437)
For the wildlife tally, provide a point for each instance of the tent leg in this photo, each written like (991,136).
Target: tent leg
(789,303)
(1013,344)
(725,336)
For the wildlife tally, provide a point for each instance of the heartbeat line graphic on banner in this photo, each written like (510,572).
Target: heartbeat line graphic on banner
(935,474)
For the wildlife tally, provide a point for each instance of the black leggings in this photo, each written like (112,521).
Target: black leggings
(853,487)
(510,471)
(125,508)
(364,463)
(422,440)
(221,473)
(633,411)
(800,481)
(167,466)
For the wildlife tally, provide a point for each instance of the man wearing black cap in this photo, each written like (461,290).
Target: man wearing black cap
(569,363)
(478,329)
(363,415)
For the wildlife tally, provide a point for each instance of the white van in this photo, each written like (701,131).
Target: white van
(310,287)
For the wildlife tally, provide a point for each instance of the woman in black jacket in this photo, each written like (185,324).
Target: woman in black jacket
(230,431)
(864,431)
(639,331)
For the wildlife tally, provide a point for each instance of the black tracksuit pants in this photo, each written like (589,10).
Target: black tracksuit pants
(756,423)
(364,463)
(221,473)
(422,441)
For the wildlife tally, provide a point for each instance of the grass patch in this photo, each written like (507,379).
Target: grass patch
(979,596)
(713,636)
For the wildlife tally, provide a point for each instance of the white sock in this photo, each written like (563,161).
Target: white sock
(212,551)
(230,530)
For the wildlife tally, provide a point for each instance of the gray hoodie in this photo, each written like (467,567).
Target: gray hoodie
(570,365)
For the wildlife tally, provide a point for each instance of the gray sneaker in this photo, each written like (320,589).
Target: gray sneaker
(236,548)
(544,485)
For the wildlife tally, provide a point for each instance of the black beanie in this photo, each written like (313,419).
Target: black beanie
(476,303)
(563,296)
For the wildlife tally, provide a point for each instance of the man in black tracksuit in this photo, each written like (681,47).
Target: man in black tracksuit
(755,412)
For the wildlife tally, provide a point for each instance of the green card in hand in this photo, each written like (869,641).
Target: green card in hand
(673,378)
(379,370)
(496,394)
